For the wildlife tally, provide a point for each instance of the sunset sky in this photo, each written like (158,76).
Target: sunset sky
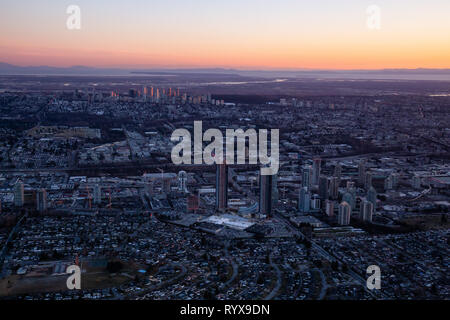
(248,34)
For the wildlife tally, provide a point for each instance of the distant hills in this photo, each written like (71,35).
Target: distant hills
(9,69)
(401,74)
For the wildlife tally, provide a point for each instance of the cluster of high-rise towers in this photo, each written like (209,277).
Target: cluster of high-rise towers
(328,193)
(168,95)
(268,191)
(35,197)
(317,192)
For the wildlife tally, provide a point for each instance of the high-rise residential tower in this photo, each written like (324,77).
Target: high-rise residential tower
(221,187)
(362,172)
(306,177)
(344,214)
(19,197)
(316,171)
(41,200)
(265,194)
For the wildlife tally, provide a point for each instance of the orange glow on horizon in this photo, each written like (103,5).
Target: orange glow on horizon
(235,34)
(315,58)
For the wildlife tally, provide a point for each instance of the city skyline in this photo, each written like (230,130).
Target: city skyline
(216,158)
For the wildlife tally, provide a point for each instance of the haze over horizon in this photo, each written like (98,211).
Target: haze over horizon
(253,35)
(187,68)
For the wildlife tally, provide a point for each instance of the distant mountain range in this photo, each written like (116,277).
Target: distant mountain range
(413,74)
(9,69)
